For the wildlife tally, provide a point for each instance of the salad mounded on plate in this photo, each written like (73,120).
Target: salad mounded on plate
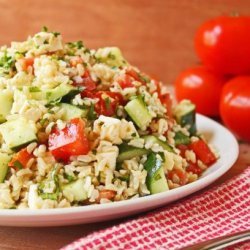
(81,127)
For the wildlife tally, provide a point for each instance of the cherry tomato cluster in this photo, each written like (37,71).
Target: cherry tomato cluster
(221,85)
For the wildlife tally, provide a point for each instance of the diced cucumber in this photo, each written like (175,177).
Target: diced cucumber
(180,138)
(51,183)
(76,190)
(6,101)
(72,111)
(111,56)
(156,180)
(153,139)
(50,95)
(17,133)
(4,160)
(127,152)
(185,115)
(138,112)
(59,92)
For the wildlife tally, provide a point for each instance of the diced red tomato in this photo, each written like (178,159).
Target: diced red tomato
(106,194)
(69,141)
(20,159)
(158,88)
(26,62)
(126,82)
(108,102)
(88,84)
(135,75)
(167,102)
(180,173)
(182,148)
(194,168)
(203,152)
(75,60)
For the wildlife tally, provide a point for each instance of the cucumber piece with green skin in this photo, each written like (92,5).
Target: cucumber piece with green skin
(18,133)
(185,115)
(138,112)
(50,95)
(6,101)
(60,92)
(154,140)
(75,189)
(127,152)
(112,56)
(156,180)
(180,138)
(4,160)
(71,111)
(51,180)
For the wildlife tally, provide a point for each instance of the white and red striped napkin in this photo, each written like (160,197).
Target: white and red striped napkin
(220,211)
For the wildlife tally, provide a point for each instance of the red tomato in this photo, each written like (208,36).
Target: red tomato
(20,159)
(167,102)
(194,168)
(135,75)
(202,87)
(180,173)
(75,60)
(183,149)
(235,106)
(26,62)
(126,82)
(203,152)
(223,44)
(106,194)
(69,141)
(87,83)
(108,102)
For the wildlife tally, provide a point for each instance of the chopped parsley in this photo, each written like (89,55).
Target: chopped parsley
(92,114)
(45,29)
(6,61)
(77,45)
(111,56)
(107,103)
(18,165)
(56,34)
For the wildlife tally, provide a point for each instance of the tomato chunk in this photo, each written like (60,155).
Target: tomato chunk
(20,159)
(69,141)
(167,102)
(126,82)
(26,62)
(181,174)
(75,60)
(203,152)
(106,194)
(87,82)
(194,168)
(108,102)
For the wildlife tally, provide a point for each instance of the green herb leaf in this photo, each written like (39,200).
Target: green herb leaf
(45,29)
(18,164)
(107,103)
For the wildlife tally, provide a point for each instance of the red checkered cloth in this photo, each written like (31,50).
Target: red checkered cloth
(220,211)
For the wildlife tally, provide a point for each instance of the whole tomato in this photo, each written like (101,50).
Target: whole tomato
(223,44)
(235,106)
(202,87)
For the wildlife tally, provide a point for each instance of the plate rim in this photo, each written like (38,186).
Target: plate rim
(206,180)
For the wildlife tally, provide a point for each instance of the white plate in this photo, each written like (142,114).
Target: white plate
(219,136)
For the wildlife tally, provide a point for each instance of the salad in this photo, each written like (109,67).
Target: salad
(81,127)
